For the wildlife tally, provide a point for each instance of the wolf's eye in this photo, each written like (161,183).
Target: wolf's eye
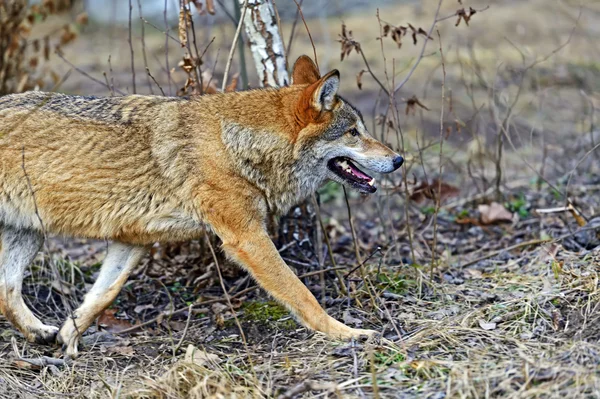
(353,131)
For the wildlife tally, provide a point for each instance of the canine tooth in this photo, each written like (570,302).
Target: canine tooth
(372,181)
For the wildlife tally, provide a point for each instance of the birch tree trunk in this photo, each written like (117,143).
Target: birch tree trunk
(300,224)
(265,43)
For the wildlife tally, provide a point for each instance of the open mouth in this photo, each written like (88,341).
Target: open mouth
(345,169)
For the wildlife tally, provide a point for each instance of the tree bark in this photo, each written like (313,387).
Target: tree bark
(266,44)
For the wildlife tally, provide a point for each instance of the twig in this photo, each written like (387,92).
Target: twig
(159,87)
(510,248)
(343,288)
(44,361)
(185,330)
(289,47)
(233,312)
(131,49)
(438,195)
(243,69)
(233,46)
(418,61)
(303,387)
(169,79)
(139,2)
(59,54)
(385,90)
(308,31)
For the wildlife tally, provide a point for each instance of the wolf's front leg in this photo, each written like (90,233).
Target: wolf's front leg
(253,249)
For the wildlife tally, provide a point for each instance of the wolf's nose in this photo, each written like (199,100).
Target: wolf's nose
(398,161)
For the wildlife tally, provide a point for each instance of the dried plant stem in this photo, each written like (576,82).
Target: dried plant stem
(353,231)
(169,79)
(233,45)
(185,330)
(233,312)
(308,31)
(339,276)
(293,31)
(145,56)
(439,190)
(131,49)
(93,79)
(243,68)
(420,57)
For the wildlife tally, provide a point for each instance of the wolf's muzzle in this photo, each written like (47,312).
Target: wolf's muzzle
(397,162)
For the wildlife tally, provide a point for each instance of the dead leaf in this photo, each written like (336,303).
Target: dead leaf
(494,213)
(487,326)
(232,86)
(465,15)
(412,103)
(210,7)
(82,19)
(185,18)
(61,287)
(473,274)
(351,320)
(120,350)
(348,42)
(25,365)
(359,79)
(199,356)
(109,322)
(430,191)
(141,308)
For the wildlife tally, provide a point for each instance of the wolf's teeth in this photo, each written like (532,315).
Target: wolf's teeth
(372,181)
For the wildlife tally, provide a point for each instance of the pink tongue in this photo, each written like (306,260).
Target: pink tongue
(358,173)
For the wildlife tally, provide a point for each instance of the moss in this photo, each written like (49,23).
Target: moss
(266,313)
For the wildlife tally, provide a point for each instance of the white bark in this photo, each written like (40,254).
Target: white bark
(265,43)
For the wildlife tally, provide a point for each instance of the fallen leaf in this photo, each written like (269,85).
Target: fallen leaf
(473,274)
(429,191)
(110,323)
(487,326)
(61,287)
(199,356)
(494,213)
(141,308)
(349,319)
(121,350)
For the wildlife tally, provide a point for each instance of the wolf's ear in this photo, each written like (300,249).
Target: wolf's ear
(323,96)
(304,71)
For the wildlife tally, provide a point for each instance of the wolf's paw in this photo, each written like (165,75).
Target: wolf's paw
(69,341)
(361,334)
(338,330)
(44,335)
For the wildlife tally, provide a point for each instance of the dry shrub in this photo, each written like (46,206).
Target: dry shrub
(190,380)
(23,58)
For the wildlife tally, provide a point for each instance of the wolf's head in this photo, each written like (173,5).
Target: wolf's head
(334,132)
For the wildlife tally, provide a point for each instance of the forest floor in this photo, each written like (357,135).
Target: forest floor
(510,310)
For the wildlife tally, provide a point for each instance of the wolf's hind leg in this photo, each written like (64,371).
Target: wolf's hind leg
(118,264)
(18,248)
